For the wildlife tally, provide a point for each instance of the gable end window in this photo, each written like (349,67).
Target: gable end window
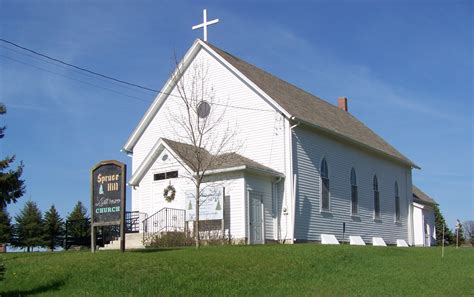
(376,198)
(165,175)
(324,186)
(397,204)
(354,194)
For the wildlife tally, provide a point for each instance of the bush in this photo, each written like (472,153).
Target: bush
(181,239)
(172,239)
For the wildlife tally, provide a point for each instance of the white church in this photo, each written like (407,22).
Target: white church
(305,170)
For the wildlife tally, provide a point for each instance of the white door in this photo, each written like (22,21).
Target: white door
(256,218)
(427,235)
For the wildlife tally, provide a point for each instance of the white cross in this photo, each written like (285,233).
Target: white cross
(205,23)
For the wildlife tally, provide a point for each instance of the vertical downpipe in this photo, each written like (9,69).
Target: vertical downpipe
(292,182)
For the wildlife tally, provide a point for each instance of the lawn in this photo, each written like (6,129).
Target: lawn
(303,269)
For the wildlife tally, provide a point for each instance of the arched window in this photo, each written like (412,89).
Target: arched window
(376,198)
(354,195)
(324,186)
(397,203)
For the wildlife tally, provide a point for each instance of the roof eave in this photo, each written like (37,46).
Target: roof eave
(259,171)
(160,98)
(358,143)
(245,79)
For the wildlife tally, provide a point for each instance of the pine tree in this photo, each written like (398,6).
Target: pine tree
(439,223)
(53,228)
(79,225)
(29,231)
(5,226)
(11,185)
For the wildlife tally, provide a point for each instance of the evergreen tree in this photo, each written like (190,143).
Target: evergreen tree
(53,228)
(11,185)
(439,223)
(5,226)
(79,224)
(29,231)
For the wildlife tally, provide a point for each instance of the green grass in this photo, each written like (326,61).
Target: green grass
(303,269)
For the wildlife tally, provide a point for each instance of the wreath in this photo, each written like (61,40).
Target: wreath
(169,193)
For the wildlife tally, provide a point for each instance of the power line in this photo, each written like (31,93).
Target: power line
(100,75)
(77,67)
(78,80)
(73,70)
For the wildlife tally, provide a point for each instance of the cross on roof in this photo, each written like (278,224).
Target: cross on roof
(205,23)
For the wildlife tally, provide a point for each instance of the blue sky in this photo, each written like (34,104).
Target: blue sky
(406,67)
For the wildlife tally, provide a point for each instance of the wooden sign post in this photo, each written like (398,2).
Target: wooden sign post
(108,198)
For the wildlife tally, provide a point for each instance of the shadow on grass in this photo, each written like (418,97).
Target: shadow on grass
(52,286)
(154,250)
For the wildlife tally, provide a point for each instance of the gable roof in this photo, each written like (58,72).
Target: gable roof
(294,102)
(421,197)
(311,109)
(185,153)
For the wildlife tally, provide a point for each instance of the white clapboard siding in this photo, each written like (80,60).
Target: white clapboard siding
(259,127)
(151,200)
(263,186)
(309,150)
(264,143)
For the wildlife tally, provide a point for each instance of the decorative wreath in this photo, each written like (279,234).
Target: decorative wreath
(169,193)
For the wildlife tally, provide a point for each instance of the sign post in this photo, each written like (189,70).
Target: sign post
(108,198)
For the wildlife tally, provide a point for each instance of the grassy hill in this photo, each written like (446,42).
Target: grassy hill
(304,269)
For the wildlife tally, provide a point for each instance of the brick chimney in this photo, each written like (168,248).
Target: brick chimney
(342,103)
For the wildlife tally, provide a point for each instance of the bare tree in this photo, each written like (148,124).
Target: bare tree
(469,231)
(199,122)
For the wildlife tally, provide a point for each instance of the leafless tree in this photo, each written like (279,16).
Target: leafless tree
(469,231)
(200,122)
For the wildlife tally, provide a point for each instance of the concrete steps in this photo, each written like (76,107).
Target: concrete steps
(132,241)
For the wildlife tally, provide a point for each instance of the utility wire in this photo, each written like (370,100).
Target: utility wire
(77,67)
(78,80)
(100,75)
(74,70)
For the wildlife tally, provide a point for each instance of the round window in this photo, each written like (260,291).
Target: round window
(203,109)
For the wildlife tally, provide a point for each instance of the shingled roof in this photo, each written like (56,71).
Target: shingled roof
(186,152)
(421,197)
(311,109)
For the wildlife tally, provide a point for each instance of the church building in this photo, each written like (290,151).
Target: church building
(303,169)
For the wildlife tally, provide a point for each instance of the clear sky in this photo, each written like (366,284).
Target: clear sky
(406,67)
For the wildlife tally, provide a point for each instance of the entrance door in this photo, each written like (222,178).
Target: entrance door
(427,235)
(255,217)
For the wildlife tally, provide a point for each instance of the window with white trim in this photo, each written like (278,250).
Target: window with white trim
(376,198)
(354,194)
(324,186)
(397,203)
(165,175)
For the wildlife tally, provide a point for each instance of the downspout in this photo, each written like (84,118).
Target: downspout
(276,208)
(292,179)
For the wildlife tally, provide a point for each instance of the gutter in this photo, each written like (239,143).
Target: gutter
(358,143)
(292,180)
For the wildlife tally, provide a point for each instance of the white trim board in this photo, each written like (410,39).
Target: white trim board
(378,241)
(401,243)
(356,240)
(329,239)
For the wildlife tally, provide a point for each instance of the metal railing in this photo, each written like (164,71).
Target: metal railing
(133,220)
(164,220)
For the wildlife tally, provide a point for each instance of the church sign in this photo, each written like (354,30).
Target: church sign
(211,205)
(108,197)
